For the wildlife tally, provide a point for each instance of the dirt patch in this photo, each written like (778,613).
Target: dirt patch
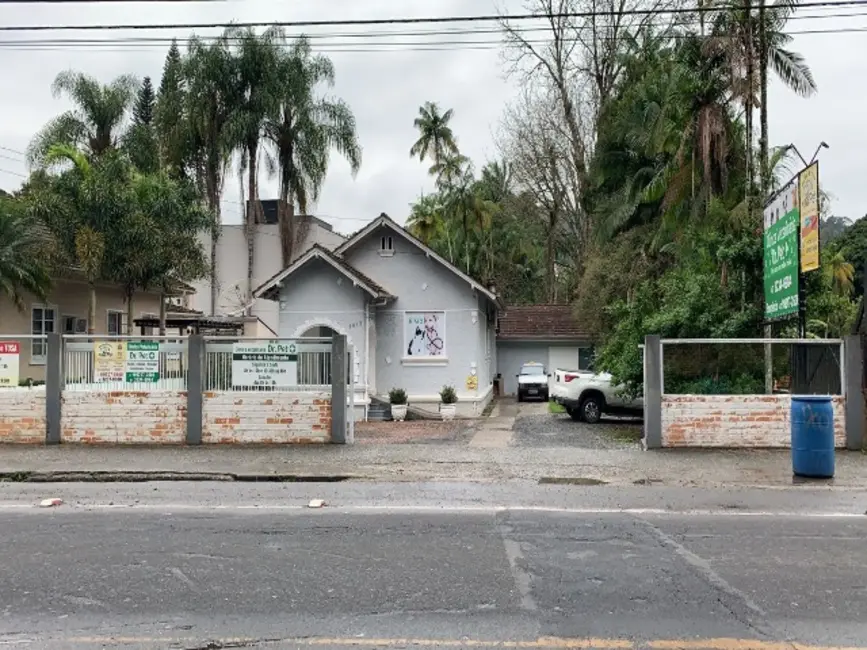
(413,431)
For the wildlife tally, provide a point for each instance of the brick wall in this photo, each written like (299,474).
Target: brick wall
(266,418)
(22,416)
(734,421)
(124,417)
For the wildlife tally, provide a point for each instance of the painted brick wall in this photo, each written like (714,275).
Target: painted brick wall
(22,416)
(734,421)
(266,418)
(124,417)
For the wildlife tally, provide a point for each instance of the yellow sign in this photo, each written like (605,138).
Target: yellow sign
(472,382)
(109,361)
(808,187)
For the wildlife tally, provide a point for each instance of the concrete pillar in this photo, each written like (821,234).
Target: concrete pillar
(53,388)
(195,387)
(652,392)
(853,368)
(338,388)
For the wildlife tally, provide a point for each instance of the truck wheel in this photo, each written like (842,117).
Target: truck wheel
(575,414)
(591,409)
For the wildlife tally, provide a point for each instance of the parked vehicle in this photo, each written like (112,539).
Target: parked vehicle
(533,382)
(587,396)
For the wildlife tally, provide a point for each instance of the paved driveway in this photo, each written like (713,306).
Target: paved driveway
(536,427)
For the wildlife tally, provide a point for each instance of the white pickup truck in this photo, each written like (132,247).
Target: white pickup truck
(586,396)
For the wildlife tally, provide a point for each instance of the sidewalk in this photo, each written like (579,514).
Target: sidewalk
(421,462)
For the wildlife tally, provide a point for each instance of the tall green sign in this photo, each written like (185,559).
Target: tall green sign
(781,219)
(143,362)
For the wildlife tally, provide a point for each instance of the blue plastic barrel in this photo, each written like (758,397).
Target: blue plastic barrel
(812,436)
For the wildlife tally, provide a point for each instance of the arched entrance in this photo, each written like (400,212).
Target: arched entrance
(314,368)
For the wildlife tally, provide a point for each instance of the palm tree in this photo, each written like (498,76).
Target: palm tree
(436,139)
(257,61)
(839,273)
(93,125)
(212,95)
(303,130)
(426,219)
(24,247)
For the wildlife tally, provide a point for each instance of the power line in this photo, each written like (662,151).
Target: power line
(7,171)
(409,20)
(13,151)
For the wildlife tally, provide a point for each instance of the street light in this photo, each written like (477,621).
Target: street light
(822,145)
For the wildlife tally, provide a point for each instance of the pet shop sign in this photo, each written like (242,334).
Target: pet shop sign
(425,334)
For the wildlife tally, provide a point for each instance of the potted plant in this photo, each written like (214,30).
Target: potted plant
(397,398)
(449,398)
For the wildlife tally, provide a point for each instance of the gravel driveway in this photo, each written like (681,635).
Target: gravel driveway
(537,430)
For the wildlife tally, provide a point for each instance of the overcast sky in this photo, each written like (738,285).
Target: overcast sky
(385,89)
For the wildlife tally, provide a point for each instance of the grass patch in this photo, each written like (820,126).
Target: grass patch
(554,407)
(625,434)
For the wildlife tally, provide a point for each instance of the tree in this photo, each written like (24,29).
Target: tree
(26,248)
(94,125)
(436,139)
(257,61)
(140,142)
(171,119)
(303,131)
(211,98)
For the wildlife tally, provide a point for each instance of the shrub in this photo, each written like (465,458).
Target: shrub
(397,396)
(448,395)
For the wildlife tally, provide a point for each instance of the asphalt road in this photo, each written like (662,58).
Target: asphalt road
(176,570)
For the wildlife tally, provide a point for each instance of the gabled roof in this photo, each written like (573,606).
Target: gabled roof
(385,220)
(541,323)
(270,289)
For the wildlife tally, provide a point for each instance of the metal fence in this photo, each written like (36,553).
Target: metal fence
(144,363)
(740,366)
(249,367)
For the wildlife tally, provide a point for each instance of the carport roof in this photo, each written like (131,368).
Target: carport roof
(541,323)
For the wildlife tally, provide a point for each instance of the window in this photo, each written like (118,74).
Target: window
(586,356)
(116,323)
(425,334)
(386,245)
(42,322)
(149,331)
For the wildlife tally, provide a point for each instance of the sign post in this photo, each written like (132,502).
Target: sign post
(265,364)
(10,352)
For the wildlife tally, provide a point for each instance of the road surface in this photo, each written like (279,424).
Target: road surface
(194,566)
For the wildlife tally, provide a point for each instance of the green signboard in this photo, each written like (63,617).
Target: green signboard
(143,362)
(781,220)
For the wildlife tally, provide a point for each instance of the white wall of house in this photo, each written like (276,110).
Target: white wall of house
(511,355)
(232,266)
(424,286)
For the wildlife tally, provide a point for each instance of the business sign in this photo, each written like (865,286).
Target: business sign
(142,362)
(109,361)
(265,364)
(10,352)
(781,220)
(808,183)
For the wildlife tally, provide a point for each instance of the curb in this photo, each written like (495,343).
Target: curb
(142,477)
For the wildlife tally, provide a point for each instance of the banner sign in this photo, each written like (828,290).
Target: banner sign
(143,362)
(109,361)
(10,353)
(808,183)
(265,364)
(781,221)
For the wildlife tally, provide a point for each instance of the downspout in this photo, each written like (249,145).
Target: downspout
(366,358)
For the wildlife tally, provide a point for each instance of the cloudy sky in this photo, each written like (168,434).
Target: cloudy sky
(386,86)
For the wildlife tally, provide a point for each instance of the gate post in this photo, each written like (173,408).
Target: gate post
(652,392)
(338,388)
(54,376)
(195,387)
(853,369)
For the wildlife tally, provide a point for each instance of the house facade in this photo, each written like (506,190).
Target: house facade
(65,312)
(546,334)
(232,263)
(412,319)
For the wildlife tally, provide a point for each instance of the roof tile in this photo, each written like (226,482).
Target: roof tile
(541,322)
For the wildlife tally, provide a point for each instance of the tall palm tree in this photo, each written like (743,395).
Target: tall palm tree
(303,130)
(426,219)
(436,140)
(24,244)
(94,125)
(257,60)
(212,94)
(839,274)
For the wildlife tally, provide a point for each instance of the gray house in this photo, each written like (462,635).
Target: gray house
(412,319)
